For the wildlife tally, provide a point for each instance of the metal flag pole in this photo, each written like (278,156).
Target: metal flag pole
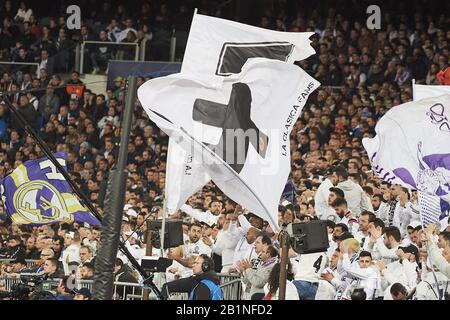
(110,239)
(46,150)
(284,245)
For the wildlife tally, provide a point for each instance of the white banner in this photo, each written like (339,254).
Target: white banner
(217,48)
(231,126)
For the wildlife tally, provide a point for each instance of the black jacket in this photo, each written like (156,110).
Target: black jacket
(187,284)
(202,292)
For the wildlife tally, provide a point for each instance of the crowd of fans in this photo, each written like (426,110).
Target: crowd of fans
(377,248)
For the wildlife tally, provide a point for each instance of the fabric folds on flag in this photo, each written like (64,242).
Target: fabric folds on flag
(412,146)
(232,128)
(35,193)
(218,48)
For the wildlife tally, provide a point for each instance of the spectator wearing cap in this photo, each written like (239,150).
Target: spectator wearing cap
(402,270)
(119,83)
(322,208)
(18,266)
(132,244)
(82,294)
(413,232)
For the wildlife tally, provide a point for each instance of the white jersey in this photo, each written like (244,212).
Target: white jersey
(206,217)
(321,206)
(309,266)
(193,250)
(383,212)
(357,277)
(427,288)
(70,254)
(363,240)
(403,272)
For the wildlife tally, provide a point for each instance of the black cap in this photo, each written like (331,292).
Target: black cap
(411,249)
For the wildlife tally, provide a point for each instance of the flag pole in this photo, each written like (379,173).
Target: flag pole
(85,200)
(284,245)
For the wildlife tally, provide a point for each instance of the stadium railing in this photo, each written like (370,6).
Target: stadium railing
(84,43)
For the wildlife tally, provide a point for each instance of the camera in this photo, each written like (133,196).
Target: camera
(31,287)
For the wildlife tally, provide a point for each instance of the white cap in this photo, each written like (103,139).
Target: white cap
(414,224)
(285,203)
(132,213)
(71,234)
(124,218)
(126,207)
(131,234)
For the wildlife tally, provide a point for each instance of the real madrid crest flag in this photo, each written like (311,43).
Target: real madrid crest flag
(36,193)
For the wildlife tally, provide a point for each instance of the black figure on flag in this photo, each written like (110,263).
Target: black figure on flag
(236,123)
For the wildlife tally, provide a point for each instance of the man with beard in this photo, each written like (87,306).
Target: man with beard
(346,216)
(363,234)
(185,255)
(210,216)
(380,207)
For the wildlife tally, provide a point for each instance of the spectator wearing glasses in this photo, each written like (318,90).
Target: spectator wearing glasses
(45,255)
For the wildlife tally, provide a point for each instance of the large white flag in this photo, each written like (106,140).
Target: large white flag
(217,48)
(236,127)
(221,47)
(432,208)
(412,146)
